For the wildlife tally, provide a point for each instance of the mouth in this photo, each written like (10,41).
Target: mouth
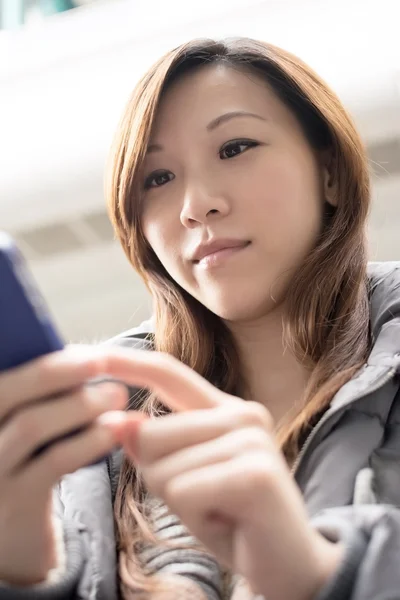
(218,256)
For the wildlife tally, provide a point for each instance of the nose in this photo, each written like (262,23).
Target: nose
(201,207)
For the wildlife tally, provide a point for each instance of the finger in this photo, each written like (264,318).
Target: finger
(48,375)
(75,452)
(161,437)
(213,501)
(191,498)
(237,489)
(256,495)
(176,384)
(239,442)
(38,424)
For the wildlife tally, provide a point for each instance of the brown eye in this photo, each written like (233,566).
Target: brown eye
(158,179)
(232,149)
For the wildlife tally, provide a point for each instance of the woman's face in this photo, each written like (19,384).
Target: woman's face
(228,168)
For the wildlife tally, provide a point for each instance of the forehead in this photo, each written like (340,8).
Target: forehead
(199,96)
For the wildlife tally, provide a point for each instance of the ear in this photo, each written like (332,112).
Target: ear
(329,186)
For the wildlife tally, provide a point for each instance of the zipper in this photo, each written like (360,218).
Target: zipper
(381,381)
(108,458)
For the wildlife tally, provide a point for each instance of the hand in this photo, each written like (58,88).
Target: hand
(216,465)
(35,408)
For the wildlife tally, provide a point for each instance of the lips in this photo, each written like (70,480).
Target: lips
(212,248)
(219,254)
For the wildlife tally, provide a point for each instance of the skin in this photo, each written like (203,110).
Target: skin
(197,187)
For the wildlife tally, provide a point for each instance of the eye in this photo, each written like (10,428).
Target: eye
(157,179)
(235,147)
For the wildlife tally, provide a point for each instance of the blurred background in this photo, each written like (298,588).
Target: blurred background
(66,71)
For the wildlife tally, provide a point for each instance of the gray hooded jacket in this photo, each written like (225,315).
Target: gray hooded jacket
(348,471)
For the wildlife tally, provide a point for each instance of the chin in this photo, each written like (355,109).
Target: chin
(243,309)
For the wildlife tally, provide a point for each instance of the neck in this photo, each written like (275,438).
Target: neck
(273,375)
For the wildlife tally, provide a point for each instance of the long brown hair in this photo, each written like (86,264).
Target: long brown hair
(327,316)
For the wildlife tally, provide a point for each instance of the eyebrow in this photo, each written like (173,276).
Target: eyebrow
(232,115)
(216,123)
(154,148)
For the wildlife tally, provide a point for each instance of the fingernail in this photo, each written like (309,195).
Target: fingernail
(112,424)
(112,417)
(114,396)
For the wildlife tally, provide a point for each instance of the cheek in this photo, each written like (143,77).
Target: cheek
(159,228)
(287,200)
(162,234)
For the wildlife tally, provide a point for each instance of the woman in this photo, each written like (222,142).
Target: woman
(239,190)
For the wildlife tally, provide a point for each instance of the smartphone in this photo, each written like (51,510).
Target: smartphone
(27,330)
(26,327)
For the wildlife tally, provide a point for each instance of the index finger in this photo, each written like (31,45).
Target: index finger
(177,385)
